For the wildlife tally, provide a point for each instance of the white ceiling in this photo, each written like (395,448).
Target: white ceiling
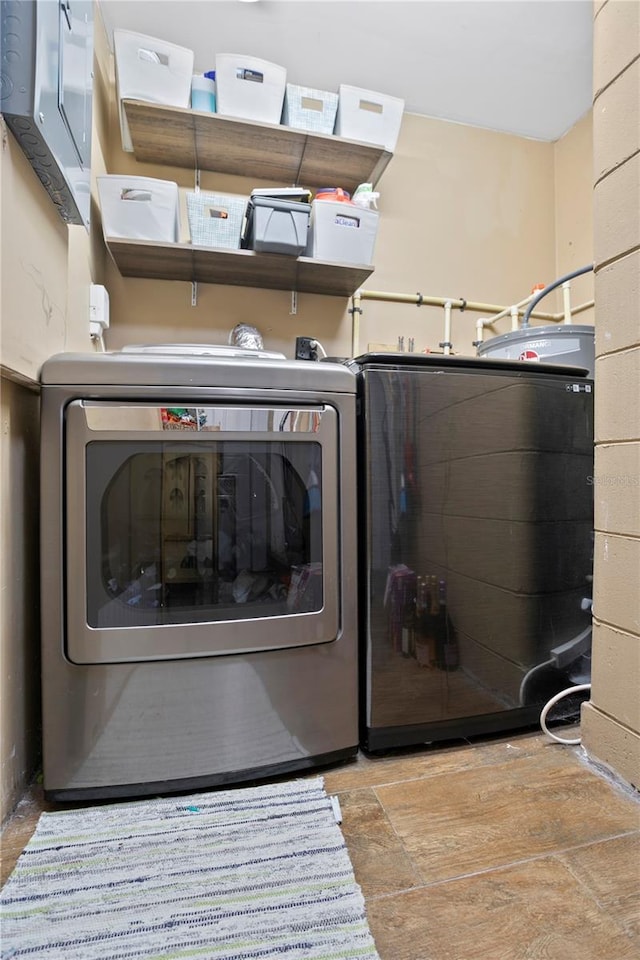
(519,66)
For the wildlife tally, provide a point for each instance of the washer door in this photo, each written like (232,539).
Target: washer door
(196,531)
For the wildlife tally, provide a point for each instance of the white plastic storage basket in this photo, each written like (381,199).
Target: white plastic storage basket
(216,219)
(139,208)
(342,232)
(309,109)
(368,116)
(150,69)
(249,88)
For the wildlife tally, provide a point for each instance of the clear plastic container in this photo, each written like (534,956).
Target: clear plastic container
(203,91)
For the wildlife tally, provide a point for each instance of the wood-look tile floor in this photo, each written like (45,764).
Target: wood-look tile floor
(511,848)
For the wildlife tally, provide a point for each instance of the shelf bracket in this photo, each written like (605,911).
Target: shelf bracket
(194,283)
(294,303)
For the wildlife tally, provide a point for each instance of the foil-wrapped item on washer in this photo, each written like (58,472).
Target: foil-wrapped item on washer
(244,335)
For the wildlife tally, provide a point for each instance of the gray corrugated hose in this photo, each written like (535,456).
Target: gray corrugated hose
(552,286)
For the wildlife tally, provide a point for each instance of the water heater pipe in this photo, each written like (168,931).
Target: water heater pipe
(489,321)
(481,323)
(552,286)
(474,306)
(421,300)
(355,311)
(446,343)
(582,307)
(566,301)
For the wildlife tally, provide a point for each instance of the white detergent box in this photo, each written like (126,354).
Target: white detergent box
(216,219)
(308,109)
(139,208)
(368,116)
(342,232)
(249,88)
(150,69)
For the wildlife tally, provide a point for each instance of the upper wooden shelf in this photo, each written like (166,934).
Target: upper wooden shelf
(184,261)
(178,137)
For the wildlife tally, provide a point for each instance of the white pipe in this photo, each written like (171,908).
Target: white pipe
(566,301)
(509,310)
(446,343)
(355,322)
(419,300)
(480,325)
(582,307)
(483,322)
(514,311)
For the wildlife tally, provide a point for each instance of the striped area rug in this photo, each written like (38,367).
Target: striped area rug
(231,875)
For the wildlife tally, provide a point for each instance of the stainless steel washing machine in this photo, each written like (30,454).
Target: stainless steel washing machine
(198,559)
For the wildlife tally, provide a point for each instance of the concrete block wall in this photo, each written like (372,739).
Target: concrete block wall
(611,720)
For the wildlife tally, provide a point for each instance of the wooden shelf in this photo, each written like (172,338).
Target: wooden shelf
(178,137)
(184,261)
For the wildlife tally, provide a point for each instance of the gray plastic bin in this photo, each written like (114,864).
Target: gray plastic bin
(276,226)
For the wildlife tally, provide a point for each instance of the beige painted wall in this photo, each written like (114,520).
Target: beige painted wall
(611,721)
(47,267)
(34,319)
(574,214)
(464,213)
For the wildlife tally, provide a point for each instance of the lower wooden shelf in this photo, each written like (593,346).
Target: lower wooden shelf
(184,261)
